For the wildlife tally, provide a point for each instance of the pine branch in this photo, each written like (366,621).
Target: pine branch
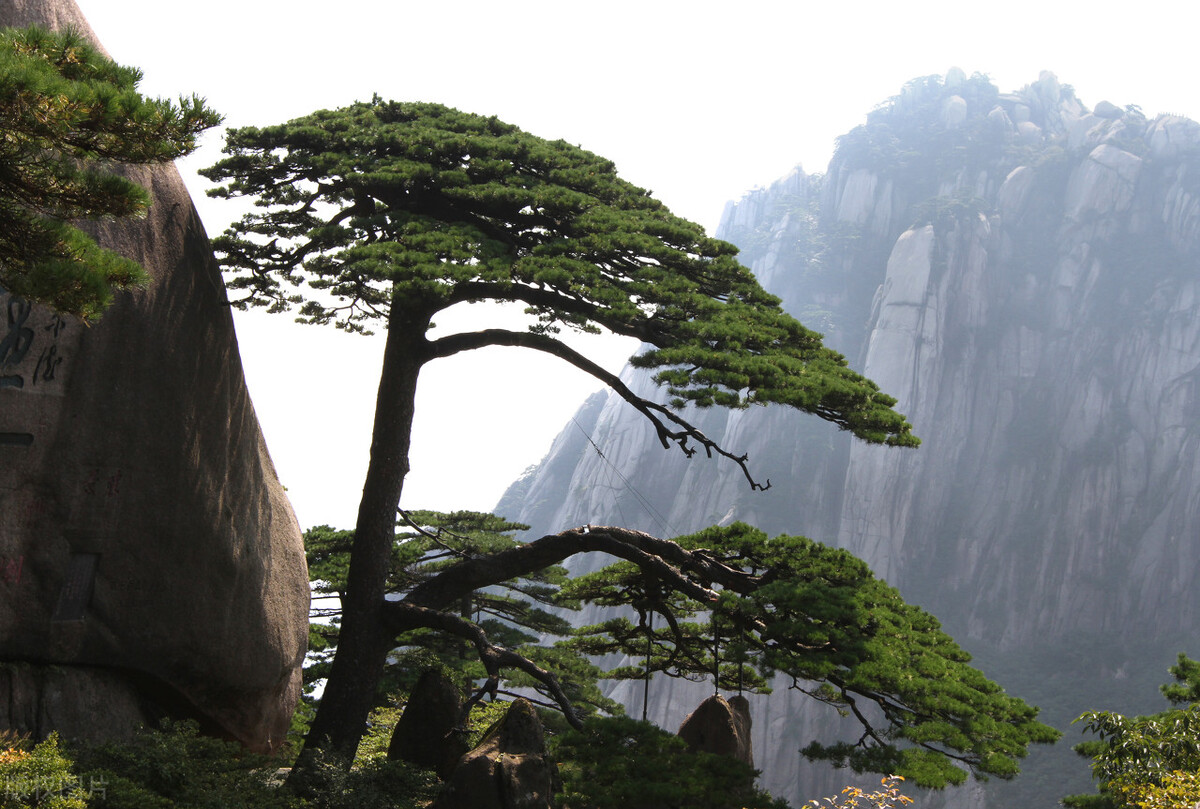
(669,426)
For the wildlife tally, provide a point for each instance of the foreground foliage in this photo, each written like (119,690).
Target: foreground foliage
(68,116)
(1173,790)
(178,768)
(37,775)
(1147,761)
(889,797)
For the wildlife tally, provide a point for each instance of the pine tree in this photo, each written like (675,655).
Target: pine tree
(818,617)
(68,117)
(388,213)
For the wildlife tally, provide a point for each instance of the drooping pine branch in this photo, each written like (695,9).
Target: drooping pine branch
(816,614)
(669,425)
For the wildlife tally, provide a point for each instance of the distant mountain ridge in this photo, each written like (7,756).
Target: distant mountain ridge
(1023,273)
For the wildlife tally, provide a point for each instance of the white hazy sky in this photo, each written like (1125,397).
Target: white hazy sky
(698,101)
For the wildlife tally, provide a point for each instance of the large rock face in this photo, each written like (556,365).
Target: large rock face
(146,546)
(1023,275)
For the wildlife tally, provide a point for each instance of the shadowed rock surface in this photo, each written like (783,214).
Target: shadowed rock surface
(425,734)
(721,727)
(150,563)
(1024,275)
(509,769)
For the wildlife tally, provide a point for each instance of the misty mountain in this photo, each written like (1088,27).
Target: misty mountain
(1021,272)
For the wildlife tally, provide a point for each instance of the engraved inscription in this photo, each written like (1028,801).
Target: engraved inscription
(103,481)
(31,353)
(35,510)
(16,342)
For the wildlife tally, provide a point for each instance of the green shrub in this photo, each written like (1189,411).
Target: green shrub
(177,768)
(39,777)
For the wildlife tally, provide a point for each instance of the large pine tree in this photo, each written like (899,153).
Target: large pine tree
(387,213)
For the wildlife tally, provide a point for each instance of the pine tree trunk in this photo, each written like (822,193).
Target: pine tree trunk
(363,641)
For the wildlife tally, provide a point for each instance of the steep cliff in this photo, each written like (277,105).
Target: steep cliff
(1022,273)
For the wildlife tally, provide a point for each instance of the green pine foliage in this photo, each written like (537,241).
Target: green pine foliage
(359,206)
(1185,690)
(515,614)
(68,117)
(786,607)
(819,617)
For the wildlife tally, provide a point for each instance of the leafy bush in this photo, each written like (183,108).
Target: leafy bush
(375,784)
(177,768)
(1174,790)
(40,777)
(1147,761)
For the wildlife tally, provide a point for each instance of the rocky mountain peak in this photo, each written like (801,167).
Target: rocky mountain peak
(1023,273)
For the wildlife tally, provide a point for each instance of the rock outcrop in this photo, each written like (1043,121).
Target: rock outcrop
(721,727)
(150,563)
(426,733)
(509,769)
(1025,278)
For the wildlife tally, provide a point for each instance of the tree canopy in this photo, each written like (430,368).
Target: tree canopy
(388,213)
(68,116)
(383,200)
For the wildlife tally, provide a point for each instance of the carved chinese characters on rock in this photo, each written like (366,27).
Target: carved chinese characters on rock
(17,341)
(33,347)
(99,498)
(36,350)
